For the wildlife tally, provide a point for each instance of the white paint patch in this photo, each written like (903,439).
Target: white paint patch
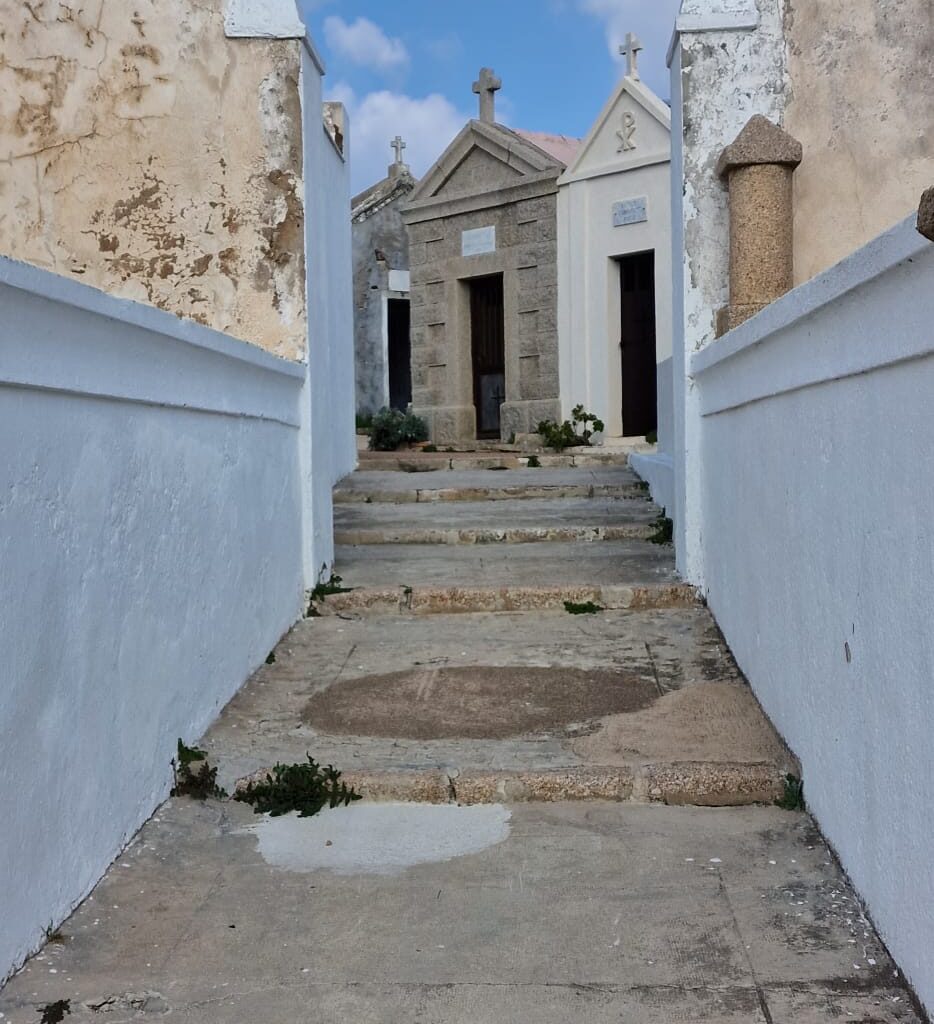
(379,839)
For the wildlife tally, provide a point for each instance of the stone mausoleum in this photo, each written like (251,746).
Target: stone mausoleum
(483,257)
(382,358)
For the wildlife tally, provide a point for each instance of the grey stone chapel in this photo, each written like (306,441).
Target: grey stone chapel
(484,287)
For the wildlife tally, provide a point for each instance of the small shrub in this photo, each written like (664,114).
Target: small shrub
(664,530)
(305,788)
(430,448)
(194,777)
(391,428)
(54,1013)
(271,658)
(364,420)
(585,608)
(534,462)
(652,437)
(577,431)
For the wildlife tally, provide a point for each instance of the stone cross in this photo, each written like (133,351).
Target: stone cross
(630,50)
(485,87)
(398,145)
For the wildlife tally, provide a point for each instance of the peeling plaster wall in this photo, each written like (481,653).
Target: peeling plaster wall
(148,155)
(720,79)
(861,74)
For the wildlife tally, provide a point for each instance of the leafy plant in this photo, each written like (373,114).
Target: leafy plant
(194,777)
(534,462)
(793,797)
(305,788)
(664,530)
(652,437)
(430,448)
(584,608)
(364,420)
(271,658)
(578,430)
(391,428)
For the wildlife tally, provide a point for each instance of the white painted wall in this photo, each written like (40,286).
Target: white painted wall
(589,245)
(150,544)
(815,513)
(330,449)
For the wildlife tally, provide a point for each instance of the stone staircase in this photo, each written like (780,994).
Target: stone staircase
(510,635)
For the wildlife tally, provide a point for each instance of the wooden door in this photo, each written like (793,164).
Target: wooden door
(637,343)
(400,354)
(488,351)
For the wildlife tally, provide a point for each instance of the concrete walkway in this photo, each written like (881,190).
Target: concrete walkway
(567,817)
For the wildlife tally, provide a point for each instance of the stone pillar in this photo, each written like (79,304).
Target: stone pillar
(926,214)
(758,169)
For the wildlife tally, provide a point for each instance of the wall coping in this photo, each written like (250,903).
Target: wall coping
(67,292)
(888,250)
(826,329)
(67,337)
(714,22)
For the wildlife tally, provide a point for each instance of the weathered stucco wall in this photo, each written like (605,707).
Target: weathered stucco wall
(860,74)
(146,154)
(385,231)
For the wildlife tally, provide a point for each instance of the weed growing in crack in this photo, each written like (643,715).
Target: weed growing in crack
(793,797)
(534,462)
(194,777)
(584,608)
(324,588)
(271,658)
(306,788)
(664,530)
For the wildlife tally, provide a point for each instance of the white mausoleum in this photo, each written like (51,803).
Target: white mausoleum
(614,265)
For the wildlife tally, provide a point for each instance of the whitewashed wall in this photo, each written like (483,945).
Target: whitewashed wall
(150,546)
(816,444)
(330,400)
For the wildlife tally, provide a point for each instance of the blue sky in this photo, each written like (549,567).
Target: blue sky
(406,67)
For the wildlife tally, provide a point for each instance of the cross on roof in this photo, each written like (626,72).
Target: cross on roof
(630,50)
(485,87)
(398,145)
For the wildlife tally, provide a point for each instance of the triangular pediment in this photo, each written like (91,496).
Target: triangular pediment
(481,159)
(632,130)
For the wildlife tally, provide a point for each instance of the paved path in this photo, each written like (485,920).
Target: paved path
(567,817)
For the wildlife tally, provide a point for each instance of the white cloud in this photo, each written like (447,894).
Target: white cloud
(426,124)
(652,21)
(364,42)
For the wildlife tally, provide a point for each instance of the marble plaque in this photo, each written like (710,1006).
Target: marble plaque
(478,240)
(630,211)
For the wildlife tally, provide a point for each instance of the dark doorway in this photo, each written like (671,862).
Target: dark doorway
(400,355)
(488,347)
(637,343)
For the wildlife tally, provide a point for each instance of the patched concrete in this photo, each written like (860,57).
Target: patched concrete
(644,706)
(595,912)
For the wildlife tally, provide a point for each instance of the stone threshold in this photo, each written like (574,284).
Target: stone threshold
(452,599)
(689,783)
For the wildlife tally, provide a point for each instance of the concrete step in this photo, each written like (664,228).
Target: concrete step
(638,707)
(454,599)
(507,521)
(423,462)
(375,487)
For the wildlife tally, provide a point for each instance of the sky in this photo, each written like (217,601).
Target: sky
(406,67)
